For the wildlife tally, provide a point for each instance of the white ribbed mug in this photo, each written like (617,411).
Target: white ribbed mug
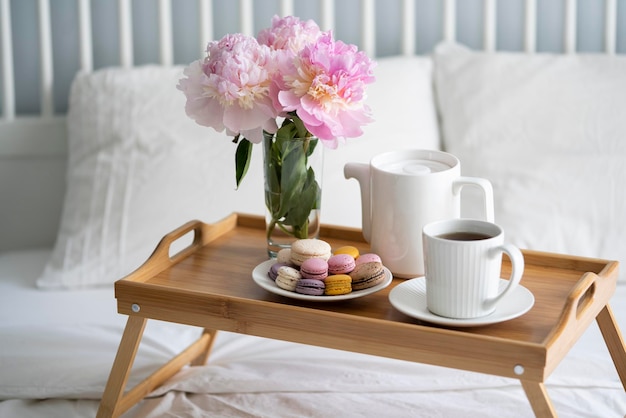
(462,260)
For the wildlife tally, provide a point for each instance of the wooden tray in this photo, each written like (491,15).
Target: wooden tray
(209,284)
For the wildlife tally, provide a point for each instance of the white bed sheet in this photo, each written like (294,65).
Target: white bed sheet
(58,346)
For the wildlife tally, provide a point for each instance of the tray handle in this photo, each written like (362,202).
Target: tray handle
(203,234)
(578,302)
(583,296)
(162,258)
(163,249)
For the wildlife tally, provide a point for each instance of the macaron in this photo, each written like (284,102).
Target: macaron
(306,248)
(368,258)
(348,249)
(338,284)
(283,255)
(341,264)
(366,275)
(287,278)
(273,271)
(314,268)
(310,287)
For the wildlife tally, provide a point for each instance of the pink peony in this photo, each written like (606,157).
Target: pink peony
(229,89)
(292,70)
(325,86)
(289,34)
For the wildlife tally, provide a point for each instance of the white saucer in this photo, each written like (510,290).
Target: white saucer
(409,298)
(260,277)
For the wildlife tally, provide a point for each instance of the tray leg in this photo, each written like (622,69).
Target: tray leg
(539,399)
(114,390)
(114,402)
(204,355)
(614,341)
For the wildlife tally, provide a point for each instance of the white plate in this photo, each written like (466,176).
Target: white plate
(260,277)
(409,298)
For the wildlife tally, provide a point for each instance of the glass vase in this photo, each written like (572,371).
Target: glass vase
(293,192)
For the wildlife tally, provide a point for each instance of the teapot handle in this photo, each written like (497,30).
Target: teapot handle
(361,172)
(484,185)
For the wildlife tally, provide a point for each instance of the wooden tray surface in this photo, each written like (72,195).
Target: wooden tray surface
(212,278)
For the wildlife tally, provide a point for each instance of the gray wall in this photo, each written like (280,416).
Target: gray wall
(388,13)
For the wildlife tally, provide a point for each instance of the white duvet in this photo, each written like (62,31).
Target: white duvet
(57,349)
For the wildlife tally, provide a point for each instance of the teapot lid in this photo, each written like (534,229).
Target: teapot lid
(413,167)
(414,162)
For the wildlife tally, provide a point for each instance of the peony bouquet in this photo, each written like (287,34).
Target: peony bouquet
(293,75)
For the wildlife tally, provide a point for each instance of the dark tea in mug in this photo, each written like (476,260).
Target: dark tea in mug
(464,236)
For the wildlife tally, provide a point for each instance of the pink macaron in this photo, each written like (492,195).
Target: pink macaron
(368,258)
(314,268)
(341,264)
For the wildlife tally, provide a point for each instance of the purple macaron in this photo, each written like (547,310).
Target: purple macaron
(273,271)
(341,264)
(310,287)
(314,268)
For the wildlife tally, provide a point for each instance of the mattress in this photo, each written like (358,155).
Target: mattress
(58,347)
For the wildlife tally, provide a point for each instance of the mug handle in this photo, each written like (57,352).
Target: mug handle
(517,264)
(483,184)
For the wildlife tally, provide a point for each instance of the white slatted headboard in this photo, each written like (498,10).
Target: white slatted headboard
(70,37)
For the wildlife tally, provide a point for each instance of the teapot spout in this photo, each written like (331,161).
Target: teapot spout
(361,172)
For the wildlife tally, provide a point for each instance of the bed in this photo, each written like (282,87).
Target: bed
(98,161)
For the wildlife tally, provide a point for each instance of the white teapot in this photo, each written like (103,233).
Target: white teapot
(402,191)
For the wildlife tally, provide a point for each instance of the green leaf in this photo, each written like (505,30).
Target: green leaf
(293,175)
(301,130)
(312,144)
(243,156)
(309,199)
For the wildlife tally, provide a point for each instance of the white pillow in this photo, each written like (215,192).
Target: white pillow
(549,132)
(139,167)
